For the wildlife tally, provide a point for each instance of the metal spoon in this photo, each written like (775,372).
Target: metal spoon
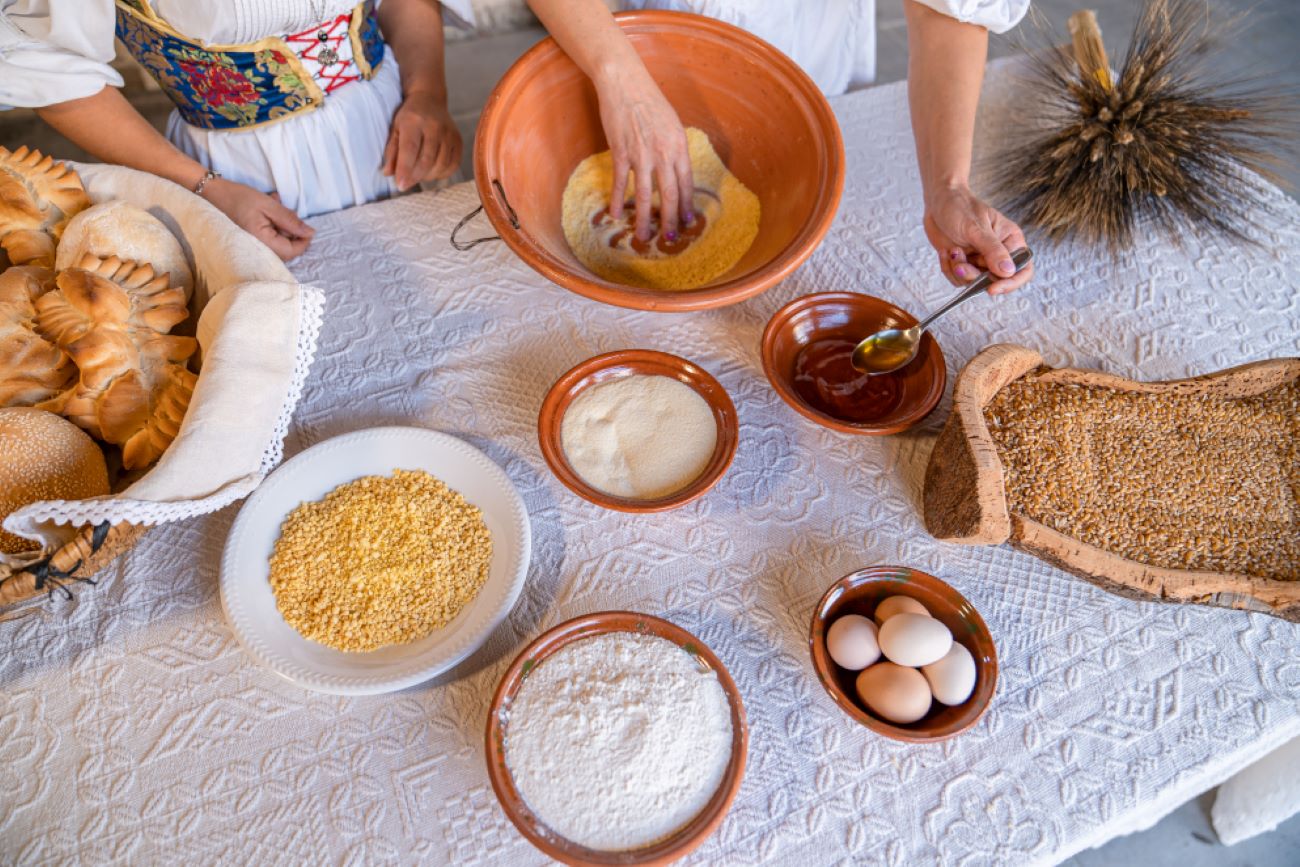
(892,348)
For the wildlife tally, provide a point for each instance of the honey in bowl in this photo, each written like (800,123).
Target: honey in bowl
(826,380)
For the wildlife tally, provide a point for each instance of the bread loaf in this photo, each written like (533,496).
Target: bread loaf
(121,230)
(133,388)
(44,457)
(110,291)
(32,369)
(37,198)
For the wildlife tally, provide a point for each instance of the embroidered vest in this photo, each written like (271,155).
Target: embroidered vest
(243,86)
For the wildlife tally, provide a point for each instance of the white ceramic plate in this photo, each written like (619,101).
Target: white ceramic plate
(245,583)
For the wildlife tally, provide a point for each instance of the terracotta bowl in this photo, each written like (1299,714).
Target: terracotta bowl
(768,122)
(554,846)
(616,365)
(851,316)
(859,593)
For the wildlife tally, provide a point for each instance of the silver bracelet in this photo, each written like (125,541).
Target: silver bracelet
(203,182)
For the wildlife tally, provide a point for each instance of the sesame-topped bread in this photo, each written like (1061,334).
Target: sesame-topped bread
(44,457)
(37,198)
(32,368)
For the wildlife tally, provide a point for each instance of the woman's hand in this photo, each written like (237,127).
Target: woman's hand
(646,137)
(423,142)
(642,129)
(971,237)
(261,215)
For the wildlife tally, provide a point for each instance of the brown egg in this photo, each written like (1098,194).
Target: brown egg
(898,605)
(894,692)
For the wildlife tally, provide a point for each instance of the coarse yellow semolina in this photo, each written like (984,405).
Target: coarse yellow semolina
(380,560)
(730,212)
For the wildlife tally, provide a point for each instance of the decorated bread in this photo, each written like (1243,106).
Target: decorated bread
(44,458)
(118,229)
(37,198)
(112,318)
(32,368)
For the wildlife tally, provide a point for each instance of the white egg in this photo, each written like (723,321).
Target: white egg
(851,642)
(898,605)
(914,639)
(895,692)
(952,679)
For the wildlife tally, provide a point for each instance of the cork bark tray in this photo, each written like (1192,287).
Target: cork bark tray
(967,483)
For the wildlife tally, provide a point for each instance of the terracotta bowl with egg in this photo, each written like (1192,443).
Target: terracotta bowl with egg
(617,365)
(839,320)
(859,593)
(685,839)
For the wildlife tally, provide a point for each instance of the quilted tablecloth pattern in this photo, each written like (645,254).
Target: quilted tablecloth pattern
(134,729)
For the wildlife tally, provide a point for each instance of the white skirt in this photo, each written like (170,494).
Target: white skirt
(321,161)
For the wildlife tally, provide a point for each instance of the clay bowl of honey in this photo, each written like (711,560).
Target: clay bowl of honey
(685,839)
(766,118)
(859,593)
(612,366)
(807,351)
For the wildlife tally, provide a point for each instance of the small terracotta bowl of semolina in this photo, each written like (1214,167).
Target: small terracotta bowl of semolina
(618,365)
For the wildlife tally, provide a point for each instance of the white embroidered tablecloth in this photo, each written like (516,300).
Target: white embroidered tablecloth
(134,729)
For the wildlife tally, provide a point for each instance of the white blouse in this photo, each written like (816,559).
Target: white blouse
(834,41)
(331,158)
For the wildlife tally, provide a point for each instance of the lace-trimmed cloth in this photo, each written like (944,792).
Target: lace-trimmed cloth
(256,329)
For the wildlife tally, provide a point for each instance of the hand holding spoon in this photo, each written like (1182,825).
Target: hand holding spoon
(888,350)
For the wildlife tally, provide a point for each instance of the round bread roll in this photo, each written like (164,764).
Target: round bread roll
(44,457)
(118,229)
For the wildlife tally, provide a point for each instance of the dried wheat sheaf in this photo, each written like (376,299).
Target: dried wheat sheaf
(1171,141)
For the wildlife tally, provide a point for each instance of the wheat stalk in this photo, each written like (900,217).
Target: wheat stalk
(1165,141)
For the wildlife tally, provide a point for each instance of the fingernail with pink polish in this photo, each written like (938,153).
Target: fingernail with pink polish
(689,217)
(954,255)
(670,236)
(963,272)
(1007,265)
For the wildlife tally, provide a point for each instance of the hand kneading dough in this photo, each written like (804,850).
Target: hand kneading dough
(129,233)
(641,437)
(43,457)
(706,250)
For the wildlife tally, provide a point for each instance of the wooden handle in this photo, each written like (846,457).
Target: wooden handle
(1089,50)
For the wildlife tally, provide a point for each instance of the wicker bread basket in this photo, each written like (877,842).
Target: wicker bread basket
(966,501)
(81,538)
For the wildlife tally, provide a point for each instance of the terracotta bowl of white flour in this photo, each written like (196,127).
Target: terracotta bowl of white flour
(638,430)
(671,750)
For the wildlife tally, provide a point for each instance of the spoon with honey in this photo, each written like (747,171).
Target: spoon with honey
(888,350)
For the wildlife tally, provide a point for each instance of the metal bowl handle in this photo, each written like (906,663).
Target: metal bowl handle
(474,242)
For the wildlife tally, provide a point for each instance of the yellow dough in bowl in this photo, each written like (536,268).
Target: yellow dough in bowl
(725,225)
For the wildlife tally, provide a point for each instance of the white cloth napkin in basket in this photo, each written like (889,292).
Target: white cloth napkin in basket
(257,329)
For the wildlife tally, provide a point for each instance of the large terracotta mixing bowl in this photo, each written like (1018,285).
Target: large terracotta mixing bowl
(766,118)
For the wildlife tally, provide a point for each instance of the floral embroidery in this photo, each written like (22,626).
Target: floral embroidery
(214,80)
(285,77)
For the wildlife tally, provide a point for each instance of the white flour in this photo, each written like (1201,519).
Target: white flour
(641,437)
(618,740)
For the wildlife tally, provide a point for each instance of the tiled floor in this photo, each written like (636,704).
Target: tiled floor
(1269,43)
